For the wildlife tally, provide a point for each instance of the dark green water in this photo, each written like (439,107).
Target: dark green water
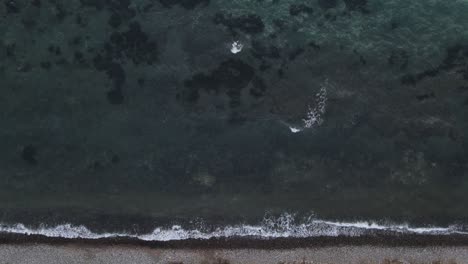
(127,114)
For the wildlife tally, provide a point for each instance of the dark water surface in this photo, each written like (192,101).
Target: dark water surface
(126,115)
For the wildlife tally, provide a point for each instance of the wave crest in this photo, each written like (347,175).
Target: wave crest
(284,226)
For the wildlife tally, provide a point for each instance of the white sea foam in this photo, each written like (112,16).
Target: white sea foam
(295,129)
(314,115)
(236,47)
(284,226)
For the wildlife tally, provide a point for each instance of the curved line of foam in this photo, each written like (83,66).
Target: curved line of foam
(282,227)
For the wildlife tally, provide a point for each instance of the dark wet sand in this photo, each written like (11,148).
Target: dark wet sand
(379,239)
(370,249)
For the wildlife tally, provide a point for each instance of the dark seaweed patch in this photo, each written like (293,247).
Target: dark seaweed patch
(261,51)
(115,96)
(46,65)
(236,118)
(258,88)
(119,9)
(79,58)
(264,66)
(55,50)
(116,73)
(280,73)
(295,53)
(28,22)
(399,58)
(133,44)
(362,60)
(456,59)
(426,96)
(233,74)
(314,45)
(115,159)
(230,77)
(357,5)
(297,9)
(457,56)
(58,10)
(12,6)
(29,154)
(77,40)
(414,79)
(115,20)
(408,79)
(280,24)
(80,21)
(463,88)
(98,4)
(187,4)
(141,81)
(25,67)
(10,50)
(250,24)
(36,3)
(327,4)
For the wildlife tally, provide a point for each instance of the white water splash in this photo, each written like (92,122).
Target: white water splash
(284,226)
(295,129)
(314,115)
(236,47)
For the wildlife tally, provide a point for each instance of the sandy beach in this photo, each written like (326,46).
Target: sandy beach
(51,254)
(386,249)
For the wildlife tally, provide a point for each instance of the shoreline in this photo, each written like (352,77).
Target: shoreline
(380,240)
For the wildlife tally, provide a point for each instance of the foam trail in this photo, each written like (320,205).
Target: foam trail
(281,227)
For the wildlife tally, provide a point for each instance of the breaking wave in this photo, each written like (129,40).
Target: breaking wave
(284,226)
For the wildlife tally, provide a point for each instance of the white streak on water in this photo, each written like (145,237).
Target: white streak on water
(396,228)
(282,227)
(295,129)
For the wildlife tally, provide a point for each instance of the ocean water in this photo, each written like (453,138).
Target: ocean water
(175,119)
